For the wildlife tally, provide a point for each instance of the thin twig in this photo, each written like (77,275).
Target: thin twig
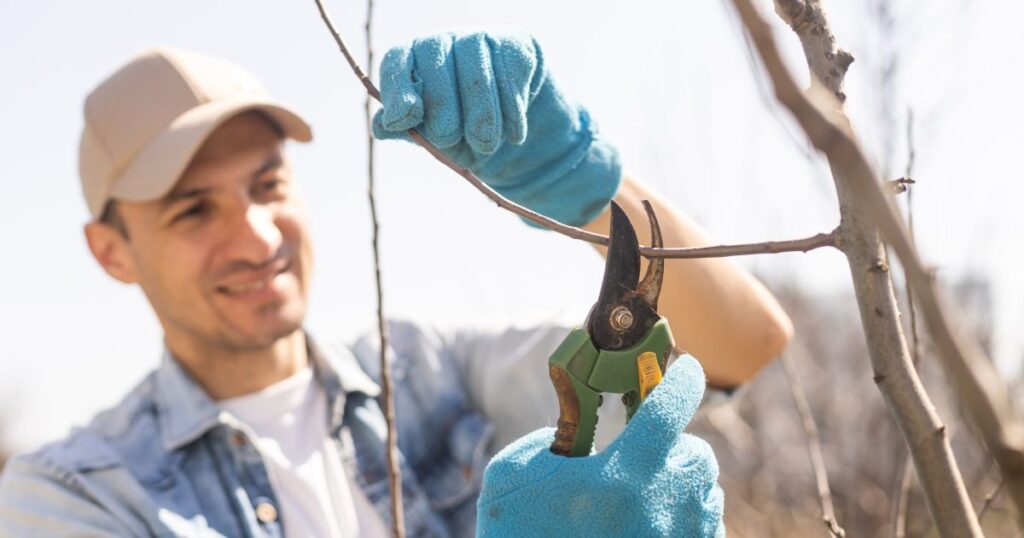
(915,343)
(387,392)
(900,184)
(828,511)
(989,498)
(768,247)
(903,497)
(820,113)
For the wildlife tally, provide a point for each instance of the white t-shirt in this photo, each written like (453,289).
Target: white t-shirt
(287,421)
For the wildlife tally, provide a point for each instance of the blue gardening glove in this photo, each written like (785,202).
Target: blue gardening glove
(653,480)
(488,102)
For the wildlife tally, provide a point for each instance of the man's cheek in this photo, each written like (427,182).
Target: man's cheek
(185,281)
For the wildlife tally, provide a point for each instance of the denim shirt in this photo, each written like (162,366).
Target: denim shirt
(167,461)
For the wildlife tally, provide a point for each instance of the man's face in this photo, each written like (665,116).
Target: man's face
(225,257)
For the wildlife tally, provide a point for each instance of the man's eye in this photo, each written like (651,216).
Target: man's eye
(271,185)
(194,210)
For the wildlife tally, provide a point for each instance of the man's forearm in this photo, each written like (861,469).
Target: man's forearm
(718,311)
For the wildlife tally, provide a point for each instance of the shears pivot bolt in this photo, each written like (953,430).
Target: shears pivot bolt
(621,318)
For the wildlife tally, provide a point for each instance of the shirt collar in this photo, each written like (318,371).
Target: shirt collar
(185,412)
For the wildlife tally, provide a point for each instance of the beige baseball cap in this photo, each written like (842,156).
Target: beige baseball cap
(144,123)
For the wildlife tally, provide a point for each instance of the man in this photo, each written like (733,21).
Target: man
(252,427)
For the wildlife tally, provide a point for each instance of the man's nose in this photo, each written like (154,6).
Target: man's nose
(256,238)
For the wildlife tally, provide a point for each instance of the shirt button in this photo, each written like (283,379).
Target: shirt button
(238,439)
(266,512)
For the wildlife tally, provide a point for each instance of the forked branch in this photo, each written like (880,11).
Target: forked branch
(866,206)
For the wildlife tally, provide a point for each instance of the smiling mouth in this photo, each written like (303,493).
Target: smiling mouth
(254,286)
(245,288)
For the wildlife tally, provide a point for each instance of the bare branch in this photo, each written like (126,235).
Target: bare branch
(821,116)
(915,343)
(911,151)
(767,247)
(387,388)
(828,511)
(989,498)
(903,499)
(363,77)
(827,62)
(899,185)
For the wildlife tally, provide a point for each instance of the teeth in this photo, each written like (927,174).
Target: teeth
(245,288)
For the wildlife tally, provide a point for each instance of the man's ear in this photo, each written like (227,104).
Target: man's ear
(110,248)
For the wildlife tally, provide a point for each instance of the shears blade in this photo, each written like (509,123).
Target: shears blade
(626,309)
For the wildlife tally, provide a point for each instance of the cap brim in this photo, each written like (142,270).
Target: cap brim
(156,169)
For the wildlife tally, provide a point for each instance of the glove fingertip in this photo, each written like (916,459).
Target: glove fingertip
(400,90)
(484,142)
(664,414)
(515,65)
(516,134)
(382,133)
(514,124)
(404,113)
(683,386)
(378,125)
(478,93)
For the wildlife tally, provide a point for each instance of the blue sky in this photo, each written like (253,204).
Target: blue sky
(669,82)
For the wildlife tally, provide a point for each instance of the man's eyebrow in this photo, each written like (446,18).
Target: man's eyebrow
(275,161)
(271,163)
(183,194)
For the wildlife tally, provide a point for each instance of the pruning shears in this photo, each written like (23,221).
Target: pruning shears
(624,345)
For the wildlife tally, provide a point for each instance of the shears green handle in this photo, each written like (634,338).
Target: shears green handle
(581,373)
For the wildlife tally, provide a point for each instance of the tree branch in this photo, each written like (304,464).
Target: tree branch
(977,381)
(989,498)
(903,497)
(826,61)
(915,343)
(387,387)
(768,247)
(819,112)
(828,511)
